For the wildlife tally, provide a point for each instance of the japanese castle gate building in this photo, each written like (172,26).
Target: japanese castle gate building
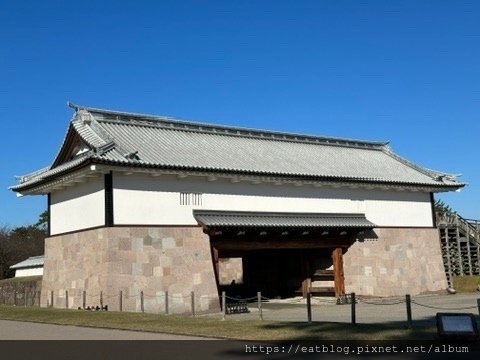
(147,203)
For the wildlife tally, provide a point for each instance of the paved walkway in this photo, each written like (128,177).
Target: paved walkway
(17,330)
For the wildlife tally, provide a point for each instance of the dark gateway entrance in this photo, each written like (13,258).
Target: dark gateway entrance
(281,272)
(280,254)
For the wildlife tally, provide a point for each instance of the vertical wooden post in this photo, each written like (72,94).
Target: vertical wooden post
(15,298)
(142,304)
(166,303)
(66,299)
(84,299)
(215,264)
(459,247)
(259,301)
(354,314)
(309,307)
(25,295)
(39,297)
(101,300)
(224,305)
(192,302)
(478,256)
(121,300)
(306,283)
(469,253)
(477,228)
(449,262)
(338,277)
(409,310)
(51,298)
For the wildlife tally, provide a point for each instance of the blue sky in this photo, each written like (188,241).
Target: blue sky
(403,71)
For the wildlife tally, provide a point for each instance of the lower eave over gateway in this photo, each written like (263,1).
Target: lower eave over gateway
(210,218)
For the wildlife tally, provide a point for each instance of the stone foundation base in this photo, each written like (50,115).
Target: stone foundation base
(153,260)
(395,262)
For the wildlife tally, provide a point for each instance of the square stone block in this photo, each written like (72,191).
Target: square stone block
(147,240)
(147,270)
(158,271)
(168,243)
(197,279)
(137,269)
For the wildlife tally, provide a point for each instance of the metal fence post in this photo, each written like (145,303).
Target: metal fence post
(224,305)
(166,303)
(51,298)
(25,296)
(192,296)
(354,314)
(142,305)
(259,300)
(120,301)
(15,297)
(101,299)
(84,299)
(309,307)
(66,299)
(409,310)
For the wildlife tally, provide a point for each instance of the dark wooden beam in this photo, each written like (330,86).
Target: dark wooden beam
(216,267)
(432,205)
(109,200)
(338,276)
(307,280)
(247,244)
(272,234)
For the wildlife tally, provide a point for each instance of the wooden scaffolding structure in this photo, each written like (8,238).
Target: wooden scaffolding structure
(460,244)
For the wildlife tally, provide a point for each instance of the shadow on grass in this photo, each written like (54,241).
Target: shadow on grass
(392,330)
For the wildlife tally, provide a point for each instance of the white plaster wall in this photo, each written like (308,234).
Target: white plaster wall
(29,272)
(148,200)
(78,207)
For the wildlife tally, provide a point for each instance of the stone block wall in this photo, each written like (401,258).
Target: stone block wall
(230,269)
(155,260)
(21,291)
(395,262)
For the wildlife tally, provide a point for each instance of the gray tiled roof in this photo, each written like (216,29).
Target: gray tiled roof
(265,219)
(151,141)
(34,261)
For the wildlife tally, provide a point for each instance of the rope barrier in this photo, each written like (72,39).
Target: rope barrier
(440,308)
(381,303)
(6,297)
(241,299)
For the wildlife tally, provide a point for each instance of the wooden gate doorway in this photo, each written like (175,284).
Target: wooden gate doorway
(286,273)
(280,254)
(280,272)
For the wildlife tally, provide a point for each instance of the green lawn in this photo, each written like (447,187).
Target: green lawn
(467,283)
(213,326)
